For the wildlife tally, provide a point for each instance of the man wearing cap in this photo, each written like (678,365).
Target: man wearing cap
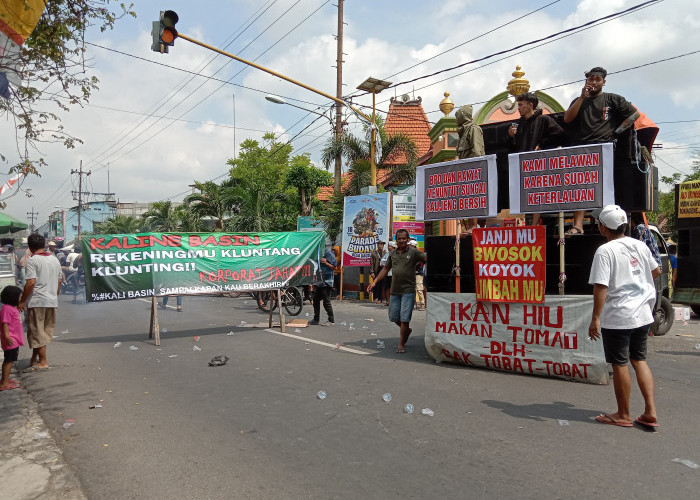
(402,262)
(622,276)
(595,117)
(52,247)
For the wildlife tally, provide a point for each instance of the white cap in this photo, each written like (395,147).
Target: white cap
(413,242)
(392,243)
(611,216)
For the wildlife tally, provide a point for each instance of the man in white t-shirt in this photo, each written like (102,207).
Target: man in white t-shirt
(623,276)
(40,299)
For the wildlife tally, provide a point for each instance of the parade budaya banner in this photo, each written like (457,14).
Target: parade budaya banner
(549,339)
(459,189)
(365,222)
(561,180)
(129,266)
(510,263)
(689,199)
(403,216)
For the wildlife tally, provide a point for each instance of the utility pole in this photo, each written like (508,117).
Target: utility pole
(80,194)
(338,172)
(32,215)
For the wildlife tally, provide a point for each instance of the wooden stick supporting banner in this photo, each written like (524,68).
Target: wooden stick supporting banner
(458,276)
(271,297)
(155,326)
(340,290)
(279,304)
(562,273)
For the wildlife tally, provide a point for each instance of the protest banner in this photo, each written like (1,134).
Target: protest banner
(129,266)
(689,199)
(510,263)
(549,339)
(459,189)
(560,180)
(403,216)
(365,222)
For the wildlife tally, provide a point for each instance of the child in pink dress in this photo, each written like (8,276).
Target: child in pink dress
(11,334)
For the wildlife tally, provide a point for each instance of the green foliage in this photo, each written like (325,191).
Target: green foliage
(161,218)
(120,224)
(56,73)
(306,178)
(332,215)
(213,200)
(667,200)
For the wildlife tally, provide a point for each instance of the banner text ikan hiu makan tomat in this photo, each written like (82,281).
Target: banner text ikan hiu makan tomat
(129,266)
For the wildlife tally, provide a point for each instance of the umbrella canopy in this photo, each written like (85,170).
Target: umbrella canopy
(9,224)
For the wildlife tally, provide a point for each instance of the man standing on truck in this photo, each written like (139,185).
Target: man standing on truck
(622,276)
(595,117)
(534,131)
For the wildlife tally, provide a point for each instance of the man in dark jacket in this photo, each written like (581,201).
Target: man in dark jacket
(534,130)
(322,290)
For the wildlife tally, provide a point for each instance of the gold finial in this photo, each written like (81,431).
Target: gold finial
(518,85)
(446,105)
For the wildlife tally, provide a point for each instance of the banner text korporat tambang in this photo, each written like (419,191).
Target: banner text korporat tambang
(128,266)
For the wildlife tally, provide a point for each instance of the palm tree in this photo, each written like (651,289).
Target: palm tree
(257,210)
(356,151)
(213,200)
(162,217)
(120,224)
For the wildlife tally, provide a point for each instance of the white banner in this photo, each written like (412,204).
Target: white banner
(549,339)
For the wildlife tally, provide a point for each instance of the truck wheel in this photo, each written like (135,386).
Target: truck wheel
(696,310)
(663,318)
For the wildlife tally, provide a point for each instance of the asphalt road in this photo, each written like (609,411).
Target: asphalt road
(170,426)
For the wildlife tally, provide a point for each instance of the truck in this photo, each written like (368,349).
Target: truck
(636,189)
(687,287)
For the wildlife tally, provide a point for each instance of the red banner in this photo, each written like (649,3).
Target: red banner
(510,264)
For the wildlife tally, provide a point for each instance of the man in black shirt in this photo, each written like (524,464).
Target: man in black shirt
(534,130)
(596,117)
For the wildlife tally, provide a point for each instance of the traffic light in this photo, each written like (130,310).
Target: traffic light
(164,32)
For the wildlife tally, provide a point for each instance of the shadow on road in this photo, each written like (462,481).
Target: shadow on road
(557,410)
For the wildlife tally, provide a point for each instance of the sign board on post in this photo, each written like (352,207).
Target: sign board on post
(403,216)
(460,189)
(510,263)
(365,222)
(689,199)
(561,180)
(549,339)
(129,266)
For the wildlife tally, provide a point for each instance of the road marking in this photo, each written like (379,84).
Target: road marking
(306,339)
(148,301)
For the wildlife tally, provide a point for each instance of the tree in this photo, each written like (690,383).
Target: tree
(262,200)
(120,224)
(212,200)
(306,179)
(161,217)
(356,151)
(55,76)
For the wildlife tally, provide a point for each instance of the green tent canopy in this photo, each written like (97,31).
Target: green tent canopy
(9,224)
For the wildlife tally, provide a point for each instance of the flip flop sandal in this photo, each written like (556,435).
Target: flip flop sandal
(646,424)
(573,231)
(9,387)
(607,419)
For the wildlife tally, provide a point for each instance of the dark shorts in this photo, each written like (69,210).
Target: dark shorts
(11,355)
(622,345)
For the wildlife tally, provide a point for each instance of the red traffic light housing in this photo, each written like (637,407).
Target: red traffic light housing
(164,32)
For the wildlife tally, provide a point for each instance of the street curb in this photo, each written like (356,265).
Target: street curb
(31,463)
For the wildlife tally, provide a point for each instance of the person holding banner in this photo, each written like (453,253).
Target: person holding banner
(596,117)
(534,131)
(470,145)
(622,276)
(402,262)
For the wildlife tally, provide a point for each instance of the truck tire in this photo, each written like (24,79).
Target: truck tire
(696,310)
(663,317)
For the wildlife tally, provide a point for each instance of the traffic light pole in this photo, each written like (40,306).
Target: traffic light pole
(274,73)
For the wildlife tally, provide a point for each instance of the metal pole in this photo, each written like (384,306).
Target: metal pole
(338,170)
(373,165)
(562,273)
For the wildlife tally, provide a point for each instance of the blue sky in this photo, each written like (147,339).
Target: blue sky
(152,158)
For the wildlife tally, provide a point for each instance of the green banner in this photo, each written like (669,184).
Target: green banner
(130,266)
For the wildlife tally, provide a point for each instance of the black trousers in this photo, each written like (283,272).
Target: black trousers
(322,293)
